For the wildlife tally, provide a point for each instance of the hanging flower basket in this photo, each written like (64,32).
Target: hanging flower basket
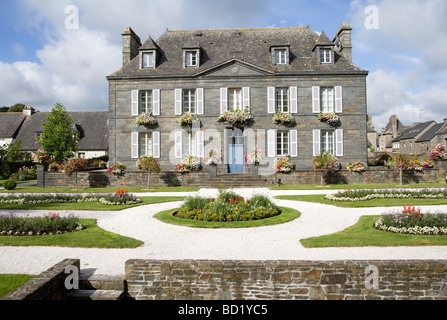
(439,152)
(146,119)
(117,169)
(283,164)
(254,157)
(328,117)
(283,118)
(187,119)
(213,157)
(236,116)
(356,167)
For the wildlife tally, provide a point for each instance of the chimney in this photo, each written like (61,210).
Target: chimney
(131,44)
(28,111)
(342,40)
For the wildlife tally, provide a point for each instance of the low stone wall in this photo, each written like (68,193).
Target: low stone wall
(102,178)
(49,285)
(286,280)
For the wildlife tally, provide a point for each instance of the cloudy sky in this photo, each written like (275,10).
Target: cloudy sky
(61,51)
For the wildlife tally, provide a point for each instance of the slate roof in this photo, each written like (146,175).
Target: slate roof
(413,132)
(431,133)
(217,47)
(92,125)
(10,123)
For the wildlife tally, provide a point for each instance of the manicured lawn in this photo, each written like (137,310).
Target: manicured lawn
(357,186)
(10,282)
(369,203)
(94,206)
(286,215)
(35,189)
(91,237)
(362,234)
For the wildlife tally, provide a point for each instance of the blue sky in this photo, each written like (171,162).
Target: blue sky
(42,62)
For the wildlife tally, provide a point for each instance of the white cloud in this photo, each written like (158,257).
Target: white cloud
(409,73)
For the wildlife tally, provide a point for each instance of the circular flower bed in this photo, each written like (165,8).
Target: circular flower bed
(411,221)
(51,223)
(228,206)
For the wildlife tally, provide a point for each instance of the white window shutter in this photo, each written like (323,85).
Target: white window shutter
(316,99)
(293,91)
(135,103)
(316,142)
(154,59)
(338,99)
(200,104)
(156,102)
(156,144)
(135,145)
(293,143)
(271,143)
(246,98)
(178,102)
(223,100)
(200,139)
(178,144)
(271,99)
(339,143)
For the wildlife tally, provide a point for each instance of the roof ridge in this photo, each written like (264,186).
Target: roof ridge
(238,29)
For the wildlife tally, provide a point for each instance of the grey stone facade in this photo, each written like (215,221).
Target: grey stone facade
(238,59)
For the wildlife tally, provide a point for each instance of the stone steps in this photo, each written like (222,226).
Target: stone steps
(233,180)
(99,288)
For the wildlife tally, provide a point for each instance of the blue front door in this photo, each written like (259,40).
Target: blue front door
(236,159)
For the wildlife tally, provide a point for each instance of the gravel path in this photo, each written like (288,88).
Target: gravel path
(165,241)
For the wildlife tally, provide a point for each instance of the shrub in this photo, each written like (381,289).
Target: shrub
(326,161)
(9,184)
(149,164)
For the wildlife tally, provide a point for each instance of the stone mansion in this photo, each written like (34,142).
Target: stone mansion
(293,75)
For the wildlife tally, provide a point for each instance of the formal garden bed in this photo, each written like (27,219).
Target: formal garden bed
(48,224)
(366,195)
(410,220)
(119,197)
(226,207)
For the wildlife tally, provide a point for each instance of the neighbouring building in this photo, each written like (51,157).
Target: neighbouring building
(208,73)
(407,143)
(10,124)
(92,127)
(391,131)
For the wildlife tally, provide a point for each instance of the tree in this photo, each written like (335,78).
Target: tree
(18,107)
(58,139)
(150,164)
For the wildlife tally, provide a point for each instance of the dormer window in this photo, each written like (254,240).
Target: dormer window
(326,55)
(148,59)
(280,56)
(191,58)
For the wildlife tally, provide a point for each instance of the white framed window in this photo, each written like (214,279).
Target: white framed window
(327,99)
(189,143)
(235,99)
(325,55)
(282,143)
(282,100)
(146,146)
(189,101)
(280,56)
(327,142)
(148,59)
(145,105)
(191,58)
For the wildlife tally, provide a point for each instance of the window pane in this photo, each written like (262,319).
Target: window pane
(282,143)
(146,144)
(145,101)
(327,141)
(148,61)
(191,58)
(280,56)
(235,99)
(189,101)
(327,99)
(282,100)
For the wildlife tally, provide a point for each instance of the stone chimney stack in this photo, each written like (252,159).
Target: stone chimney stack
(28,111)
(131,44)
(342,40)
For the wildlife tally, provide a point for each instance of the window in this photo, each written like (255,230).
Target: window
(145,102)
(146,144)
(327,99)
(327,142)
(189,101)
(189,144)
(282,100)
(191,58)
(280,56)
(325,55)
(235,100)
(282,143)
(148,59)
